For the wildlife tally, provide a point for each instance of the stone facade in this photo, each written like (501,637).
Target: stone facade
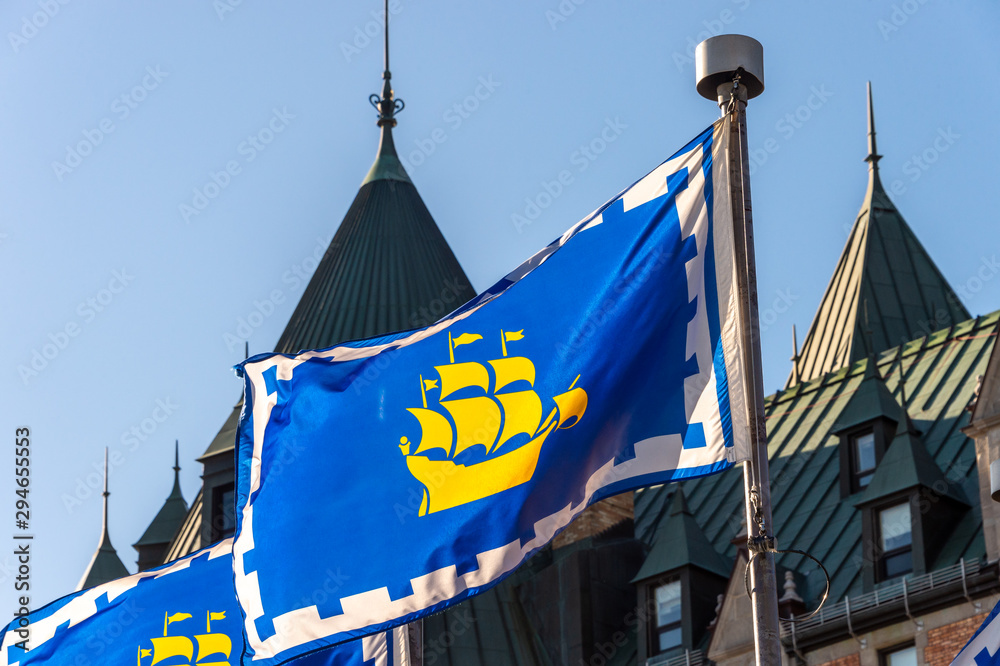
(984,427)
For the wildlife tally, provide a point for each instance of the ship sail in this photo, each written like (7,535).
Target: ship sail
(572,404)
(168,647)
(435,430)
(209,644)
(513,369)
(457,376)
(477,421)
(522,411)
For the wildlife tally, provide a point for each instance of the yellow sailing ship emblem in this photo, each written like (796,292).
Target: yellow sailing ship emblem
(493,406)
(207,649)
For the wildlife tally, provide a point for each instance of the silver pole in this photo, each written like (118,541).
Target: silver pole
(730,69)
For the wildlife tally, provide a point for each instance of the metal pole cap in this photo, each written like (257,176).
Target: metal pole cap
(718,58)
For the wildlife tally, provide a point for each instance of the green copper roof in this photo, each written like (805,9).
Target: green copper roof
(680,542)
(171,514)
(104,567)
(387,165)
(884,276)
(872,400)
(907,465)
(388,269)
(225,439)
(940,373)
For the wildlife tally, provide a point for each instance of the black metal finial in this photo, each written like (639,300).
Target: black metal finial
(386,105)
(105,539)
(795,356)
(873,156)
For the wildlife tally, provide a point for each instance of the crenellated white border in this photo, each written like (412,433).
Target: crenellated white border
(84,606)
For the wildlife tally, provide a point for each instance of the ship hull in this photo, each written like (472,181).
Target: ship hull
(447,484)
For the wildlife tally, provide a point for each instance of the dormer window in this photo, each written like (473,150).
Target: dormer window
(678,585)
(668,617)
(861,450)
(863,459)
(895,528)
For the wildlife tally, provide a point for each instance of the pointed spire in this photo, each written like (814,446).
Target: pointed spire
(105,566)
(387,165)
(153,544)
(105,539)
(795,357)
(176,492)
(873,156)
(885,270)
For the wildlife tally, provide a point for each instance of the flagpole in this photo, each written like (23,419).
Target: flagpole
(730,70)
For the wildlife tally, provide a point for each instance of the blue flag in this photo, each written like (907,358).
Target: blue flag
(983,649)
(427,465)
(183,612)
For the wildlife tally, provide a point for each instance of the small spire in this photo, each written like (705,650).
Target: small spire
(873,156)
(387,165)
(795,357)
(176,492)
(386,106)
(105,565)
(105,539)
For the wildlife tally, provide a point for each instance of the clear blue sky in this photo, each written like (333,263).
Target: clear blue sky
(155,97)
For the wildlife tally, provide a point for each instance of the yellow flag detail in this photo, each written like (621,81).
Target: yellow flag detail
(145,653)
(177,617)
(466,338)
(511,336)
(217,616)
(430,383)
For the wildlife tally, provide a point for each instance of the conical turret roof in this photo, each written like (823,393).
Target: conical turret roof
(387,269)
(105,566)
(884,276)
